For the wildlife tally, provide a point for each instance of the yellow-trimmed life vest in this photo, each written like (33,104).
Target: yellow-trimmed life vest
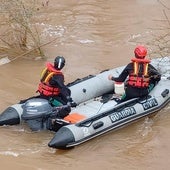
(44,87)
(139,79)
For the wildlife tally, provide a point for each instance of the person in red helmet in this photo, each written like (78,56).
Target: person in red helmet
(141,76)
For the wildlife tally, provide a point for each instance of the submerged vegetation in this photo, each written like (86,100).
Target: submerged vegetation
(159,41)
(19,35)
(162,42)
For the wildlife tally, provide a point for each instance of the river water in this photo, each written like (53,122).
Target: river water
(92,35)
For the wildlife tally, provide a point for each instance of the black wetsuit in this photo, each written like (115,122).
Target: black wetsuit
(58,81)
(133,92)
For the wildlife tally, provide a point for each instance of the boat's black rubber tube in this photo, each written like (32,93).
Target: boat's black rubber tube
(9,116)
(62,137)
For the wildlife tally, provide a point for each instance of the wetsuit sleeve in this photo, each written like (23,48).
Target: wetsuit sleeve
(155,76)
(153,71)
(58,81)
(122,77)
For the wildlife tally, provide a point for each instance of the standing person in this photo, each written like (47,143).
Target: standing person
(141,76)
(52,87)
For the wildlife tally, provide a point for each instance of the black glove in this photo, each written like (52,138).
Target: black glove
(113,78)
(69,99)
(71,102)
(61,112)
(155,79)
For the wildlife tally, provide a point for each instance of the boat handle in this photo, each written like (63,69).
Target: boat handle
(165,93)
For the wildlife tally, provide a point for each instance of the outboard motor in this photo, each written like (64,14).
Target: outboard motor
(36,112)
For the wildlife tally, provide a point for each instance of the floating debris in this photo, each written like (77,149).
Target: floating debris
(4,60)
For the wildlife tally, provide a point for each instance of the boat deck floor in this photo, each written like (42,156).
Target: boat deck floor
(95,106)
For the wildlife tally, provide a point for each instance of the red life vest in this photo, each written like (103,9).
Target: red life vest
(137,78)
(44,87)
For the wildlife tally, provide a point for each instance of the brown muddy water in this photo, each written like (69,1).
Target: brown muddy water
(93,35)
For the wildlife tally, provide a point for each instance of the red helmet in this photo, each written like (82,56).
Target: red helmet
(140,52)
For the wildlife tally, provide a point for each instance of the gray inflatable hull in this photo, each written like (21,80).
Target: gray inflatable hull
(99,113)
(99,117)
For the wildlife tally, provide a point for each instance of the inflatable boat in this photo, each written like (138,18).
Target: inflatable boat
(98,109)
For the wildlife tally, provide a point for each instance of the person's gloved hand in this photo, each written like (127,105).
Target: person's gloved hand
(110,77)
(71,102)
(69,99)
